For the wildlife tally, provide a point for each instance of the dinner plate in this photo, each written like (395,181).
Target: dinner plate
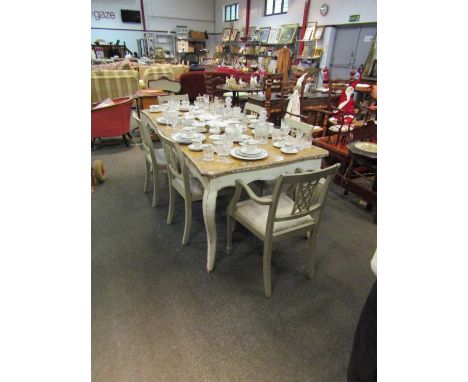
(292,151)
(278,145)
(180,138)
(234,154)
(216,137)
(206,117)
(366,146)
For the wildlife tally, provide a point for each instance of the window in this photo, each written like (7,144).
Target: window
(231,12)
(275,7)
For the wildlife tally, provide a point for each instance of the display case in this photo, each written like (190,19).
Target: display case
(158,46)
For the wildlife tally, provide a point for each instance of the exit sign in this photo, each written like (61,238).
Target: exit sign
(354,18)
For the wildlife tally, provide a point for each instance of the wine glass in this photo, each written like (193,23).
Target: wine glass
(299,135)
(285,128)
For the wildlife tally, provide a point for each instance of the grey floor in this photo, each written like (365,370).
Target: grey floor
(157,315)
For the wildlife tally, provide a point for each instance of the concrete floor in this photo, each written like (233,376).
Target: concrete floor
(157,315)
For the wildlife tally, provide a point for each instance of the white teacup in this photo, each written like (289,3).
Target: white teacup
(251,146)
(197,145)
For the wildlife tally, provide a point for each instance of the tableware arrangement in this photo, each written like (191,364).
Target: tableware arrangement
(239,153)
(289,148)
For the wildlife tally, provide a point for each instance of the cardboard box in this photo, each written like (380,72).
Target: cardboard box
(197,35)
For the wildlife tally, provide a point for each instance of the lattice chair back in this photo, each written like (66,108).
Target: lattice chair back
(175,161)
(309,190)
(250,108)
(298,125)
(148,147)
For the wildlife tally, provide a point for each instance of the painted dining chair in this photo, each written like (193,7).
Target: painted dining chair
(180,181)
(155,160)
(278,216)
(307,129)
(250,108)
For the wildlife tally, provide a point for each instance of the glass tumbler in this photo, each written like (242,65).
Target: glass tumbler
(208,152)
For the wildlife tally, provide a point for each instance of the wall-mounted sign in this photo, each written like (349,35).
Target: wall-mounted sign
(354,18)
(103,15)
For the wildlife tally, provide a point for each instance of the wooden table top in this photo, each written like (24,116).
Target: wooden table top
(216,169)
(246,89)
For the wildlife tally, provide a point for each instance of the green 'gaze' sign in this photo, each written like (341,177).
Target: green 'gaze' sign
(354,18)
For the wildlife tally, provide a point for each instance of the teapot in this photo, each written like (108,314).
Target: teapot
(233,131)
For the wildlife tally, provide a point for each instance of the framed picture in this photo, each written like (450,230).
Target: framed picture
(272,36)
(255,36)
(264,34)
(251,32)
(310,30)
(318,33)
(234,34)
(286,34)
(226,34)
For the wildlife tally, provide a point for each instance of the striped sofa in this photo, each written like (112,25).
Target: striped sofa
(113,84)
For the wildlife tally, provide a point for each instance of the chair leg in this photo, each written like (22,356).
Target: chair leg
(188,221)
(312,243)
(155,188)
(170,215)
(267,267)
(125,140)
(148,176)
(230,229)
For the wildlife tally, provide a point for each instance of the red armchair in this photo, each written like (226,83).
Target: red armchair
(112,120)
(193,84)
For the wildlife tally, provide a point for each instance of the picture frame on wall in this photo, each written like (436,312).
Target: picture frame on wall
(251,32)
(255,36)
(310,31)
(234,34)
(272,36)
(264,34)
(226,34)
(287,33)
(318,33)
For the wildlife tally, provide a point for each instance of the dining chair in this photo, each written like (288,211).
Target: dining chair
(180,181)
(173,97)
(252,108)
(278,217)
(165,84)
(155,160)
(307,129)
(212,80)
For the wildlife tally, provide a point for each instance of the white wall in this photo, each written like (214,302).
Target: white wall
(166,14)
(130,37)
(339,12)
(160,15)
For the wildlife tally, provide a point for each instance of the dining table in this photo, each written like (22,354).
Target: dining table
(215,175)
(235,91)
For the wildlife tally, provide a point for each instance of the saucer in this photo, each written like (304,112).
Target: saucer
(194,149)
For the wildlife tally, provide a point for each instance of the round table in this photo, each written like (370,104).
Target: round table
(235,92)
